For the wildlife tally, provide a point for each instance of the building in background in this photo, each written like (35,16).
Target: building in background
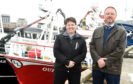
(6,25)
(5,18)
(21,22)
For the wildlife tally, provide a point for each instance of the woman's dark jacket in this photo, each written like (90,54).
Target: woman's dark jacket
(66,49)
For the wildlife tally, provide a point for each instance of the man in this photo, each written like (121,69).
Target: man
(107,49)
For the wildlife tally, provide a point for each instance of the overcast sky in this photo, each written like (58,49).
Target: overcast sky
(29,9)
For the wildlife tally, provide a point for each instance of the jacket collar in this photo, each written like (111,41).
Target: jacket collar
(110,25)
(101,32)
(114,30)
(75,36)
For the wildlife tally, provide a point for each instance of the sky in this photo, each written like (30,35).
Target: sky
(29,9)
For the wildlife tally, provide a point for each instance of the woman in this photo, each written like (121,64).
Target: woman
(69,50)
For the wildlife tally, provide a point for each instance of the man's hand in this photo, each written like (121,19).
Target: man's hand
(101,62)
(71,64)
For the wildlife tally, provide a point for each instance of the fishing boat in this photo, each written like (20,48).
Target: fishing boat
(25,55)
(31,62)
(30,54)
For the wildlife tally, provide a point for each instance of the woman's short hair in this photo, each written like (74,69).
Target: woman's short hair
(72,19)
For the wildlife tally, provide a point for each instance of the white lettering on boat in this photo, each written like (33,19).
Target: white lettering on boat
(48,69)
(3,61)
(16,63)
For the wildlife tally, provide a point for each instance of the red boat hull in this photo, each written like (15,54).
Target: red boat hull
(32,71)
(29,72)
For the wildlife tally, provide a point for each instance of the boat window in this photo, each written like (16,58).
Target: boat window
(19,34)
(54,37)
(27,35)
(34,36)
(44,37)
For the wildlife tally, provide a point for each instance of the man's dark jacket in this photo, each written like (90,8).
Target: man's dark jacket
(113,49)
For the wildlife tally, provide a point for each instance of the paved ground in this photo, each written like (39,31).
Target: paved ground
(127,68)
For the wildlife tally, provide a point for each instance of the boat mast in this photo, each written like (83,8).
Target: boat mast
(1,23)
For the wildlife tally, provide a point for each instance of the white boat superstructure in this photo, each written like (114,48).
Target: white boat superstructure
(29,50)
(24,53)
(40,48)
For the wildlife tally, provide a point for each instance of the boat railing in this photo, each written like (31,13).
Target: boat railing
(30,51)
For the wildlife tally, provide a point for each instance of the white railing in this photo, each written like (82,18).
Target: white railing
(30,51)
